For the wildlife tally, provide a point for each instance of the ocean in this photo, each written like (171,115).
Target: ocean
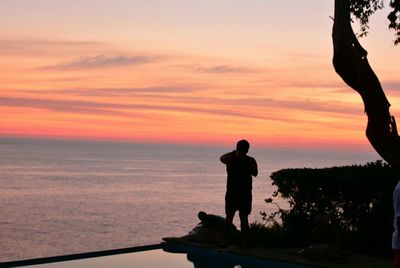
(63,197)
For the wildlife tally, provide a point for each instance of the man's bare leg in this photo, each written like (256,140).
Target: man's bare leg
(244,227)
(228,225)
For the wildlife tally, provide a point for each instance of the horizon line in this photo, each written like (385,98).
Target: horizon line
(348,147)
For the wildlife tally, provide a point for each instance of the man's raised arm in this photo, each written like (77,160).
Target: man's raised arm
(225,158)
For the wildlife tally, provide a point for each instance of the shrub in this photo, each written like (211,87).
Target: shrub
(271,236)
(357,199)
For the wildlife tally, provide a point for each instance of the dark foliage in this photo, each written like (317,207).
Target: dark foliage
(356,199)
(363,9)
(271,236)
(394,18)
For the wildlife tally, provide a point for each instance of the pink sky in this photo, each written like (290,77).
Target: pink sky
(184,71)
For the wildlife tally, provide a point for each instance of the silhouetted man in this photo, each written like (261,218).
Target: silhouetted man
(240,168)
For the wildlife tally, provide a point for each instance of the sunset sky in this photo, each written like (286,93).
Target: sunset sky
(184,71)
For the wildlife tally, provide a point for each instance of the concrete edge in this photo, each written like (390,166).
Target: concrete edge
(78,256)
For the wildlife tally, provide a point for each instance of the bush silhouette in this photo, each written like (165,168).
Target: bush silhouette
(357,200)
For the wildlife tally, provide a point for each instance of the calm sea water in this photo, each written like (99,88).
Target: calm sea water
(62,197)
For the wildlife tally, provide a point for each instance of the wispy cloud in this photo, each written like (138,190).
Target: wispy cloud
(310,105)
(315,84)
(118,109)
(217,69)
(161,100)
(132,110)
(103,61)
(64,106)
(222,69)
(118,92)
(392,86)
(44,46)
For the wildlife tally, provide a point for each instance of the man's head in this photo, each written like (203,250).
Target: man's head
(243,146)
(202,216)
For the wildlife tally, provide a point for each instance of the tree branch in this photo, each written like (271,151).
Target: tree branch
(351,63)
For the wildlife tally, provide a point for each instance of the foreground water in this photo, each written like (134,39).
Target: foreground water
(62,197)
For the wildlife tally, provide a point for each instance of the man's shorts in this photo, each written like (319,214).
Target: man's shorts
(238,202)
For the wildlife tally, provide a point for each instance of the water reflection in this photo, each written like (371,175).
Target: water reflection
(208,258)
(166,255)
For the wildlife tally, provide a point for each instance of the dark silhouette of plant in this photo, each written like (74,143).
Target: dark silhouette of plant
(357,199)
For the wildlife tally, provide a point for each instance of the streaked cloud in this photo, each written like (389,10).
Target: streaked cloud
(217,69)
(117,92)
(103,108)
(300,104)
(45,46)
(65,106)
(103,61)
(161,100)
(222,69)
(391,86)
(105,92)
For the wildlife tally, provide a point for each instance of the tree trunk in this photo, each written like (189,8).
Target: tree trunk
(350,62)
